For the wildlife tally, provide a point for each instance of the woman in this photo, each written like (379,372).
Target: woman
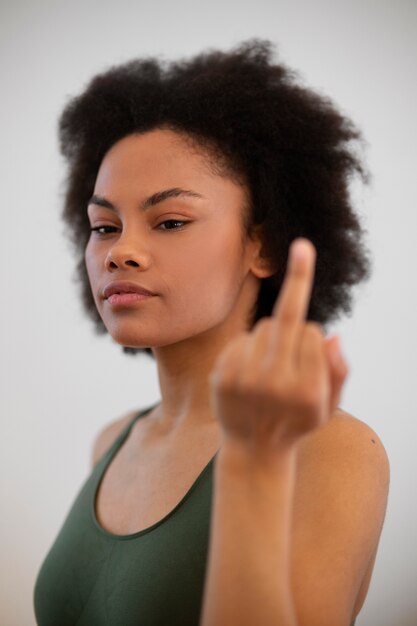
(246,495)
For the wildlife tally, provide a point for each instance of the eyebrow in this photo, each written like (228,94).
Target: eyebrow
(155,198)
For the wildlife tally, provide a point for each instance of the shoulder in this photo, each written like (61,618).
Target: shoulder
(343,439)
(340,500)
(108,434)
(346,455)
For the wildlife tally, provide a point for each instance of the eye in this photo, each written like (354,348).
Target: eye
(173,222)
(98,229)
(106,230)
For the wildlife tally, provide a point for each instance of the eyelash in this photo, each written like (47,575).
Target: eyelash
(98,228)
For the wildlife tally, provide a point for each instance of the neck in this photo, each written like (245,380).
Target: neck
(184,380)
(184,369)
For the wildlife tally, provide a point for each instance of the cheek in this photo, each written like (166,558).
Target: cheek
(90,262)
(207,274)
(93,257)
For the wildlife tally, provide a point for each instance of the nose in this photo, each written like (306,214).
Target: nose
(112,264)
(123,254)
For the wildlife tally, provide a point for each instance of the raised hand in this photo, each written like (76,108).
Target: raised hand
(276,383)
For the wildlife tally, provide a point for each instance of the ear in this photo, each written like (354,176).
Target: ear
(261,268)
(260,265)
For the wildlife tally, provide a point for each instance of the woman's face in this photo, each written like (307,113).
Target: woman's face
(187,249)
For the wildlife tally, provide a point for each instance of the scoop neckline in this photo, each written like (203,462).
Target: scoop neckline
(97,483)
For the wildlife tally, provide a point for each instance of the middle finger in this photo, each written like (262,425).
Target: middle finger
(291,307)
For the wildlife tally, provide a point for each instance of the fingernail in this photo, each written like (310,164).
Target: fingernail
(300,250)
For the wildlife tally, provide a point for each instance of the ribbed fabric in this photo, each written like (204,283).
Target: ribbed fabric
(154,577)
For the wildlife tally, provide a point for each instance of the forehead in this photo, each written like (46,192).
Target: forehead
(156,148)
(163,158)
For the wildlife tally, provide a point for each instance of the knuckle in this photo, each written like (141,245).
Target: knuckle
(250,385)
(263,324)
(281,383)
(314,329)
(287,316)
(278,389)
(311,398)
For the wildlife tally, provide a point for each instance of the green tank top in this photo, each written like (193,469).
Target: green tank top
(154,577)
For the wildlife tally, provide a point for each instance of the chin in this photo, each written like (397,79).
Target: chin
(134,333)
(126,340)
(139,340)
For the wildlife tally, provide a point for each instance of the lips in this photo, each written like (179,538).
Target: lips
(124,286)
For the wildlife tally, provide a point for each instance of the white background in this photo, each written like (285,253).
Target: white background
(61,383)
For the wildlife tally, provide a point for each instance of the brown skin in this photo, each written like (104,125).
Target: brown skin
(205,281)
(208,366)
(281,553)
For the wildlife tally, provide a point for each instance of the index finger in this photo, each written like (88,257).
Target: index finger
(291,306)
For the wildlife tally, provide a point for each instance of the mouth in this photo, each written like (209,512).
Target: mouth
(127,298)
(122,288)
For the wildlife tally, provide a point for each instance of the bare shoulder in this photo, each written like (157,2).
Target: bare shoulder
(340,501)
(348,447)
(346,432)
(109,434)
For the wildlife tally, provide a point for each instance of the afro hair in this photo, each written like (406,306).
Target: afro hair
(290,146)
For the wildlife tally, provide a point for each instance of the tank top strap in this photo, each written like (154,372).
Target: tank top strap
(137,415)
(113,448)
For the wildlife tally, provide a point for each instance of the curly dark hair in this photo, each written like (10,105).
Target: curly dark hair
(289,145)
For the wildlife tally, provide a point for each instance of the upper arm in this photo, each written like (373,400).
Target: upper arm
(108,435)
(341,492)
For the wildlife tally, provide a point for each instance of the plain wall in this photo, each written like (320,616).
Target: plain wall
(61,383)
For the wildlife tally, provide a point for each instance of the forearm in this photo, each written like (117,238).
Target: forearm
(248,570)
